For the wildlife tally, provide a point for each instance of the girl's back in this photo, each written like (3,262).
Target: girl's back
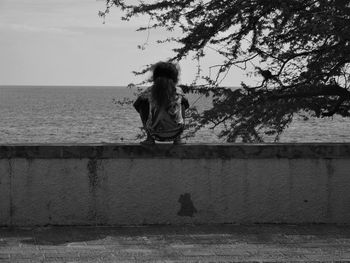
(166,104)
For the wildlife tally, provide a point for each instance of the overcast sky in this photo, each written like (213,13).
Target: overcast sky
(64,42)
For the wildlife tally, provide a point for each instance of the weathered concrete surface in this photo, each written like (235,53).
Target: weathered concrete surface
(189,184)
(223,243)
(169,151)
(5,192)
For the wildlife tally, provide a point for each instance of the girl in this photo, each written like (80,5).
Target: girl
(162,106)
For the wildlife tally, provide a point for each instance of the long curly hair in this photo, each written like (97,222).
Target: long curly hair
(165,77)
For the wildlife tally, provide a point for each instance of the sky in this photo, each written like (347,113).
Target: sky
(64,42)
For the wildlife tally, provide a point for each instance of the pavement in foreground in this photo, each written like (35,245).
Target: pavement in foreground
(215,243)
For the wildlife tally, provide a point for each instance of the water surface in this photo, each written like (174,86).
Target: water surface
(89,115)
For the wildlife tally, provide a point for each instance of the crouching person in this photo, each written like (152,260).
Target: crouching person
(162,106)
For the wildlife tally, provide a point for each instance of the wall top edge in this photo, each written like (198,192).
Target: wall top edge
(170,151)
(170,144)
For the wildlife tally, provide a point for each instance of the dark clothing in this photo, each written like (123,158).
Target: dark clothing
(161,123)
(142,107)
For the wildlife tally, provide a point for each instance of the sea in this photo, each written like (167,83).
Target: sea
(80,114)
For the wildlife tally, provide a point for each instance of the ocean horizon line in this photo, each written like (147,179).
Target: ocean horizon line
(80,86)
(64,86)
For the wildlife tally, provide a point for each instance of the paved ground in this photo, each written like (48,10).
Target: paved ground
(223,243)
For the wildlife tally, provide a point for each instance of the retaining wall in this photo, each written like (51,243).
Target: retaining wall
(124,184)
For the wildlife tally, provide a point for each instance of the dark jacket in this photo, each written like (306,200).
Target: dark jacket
(142,107)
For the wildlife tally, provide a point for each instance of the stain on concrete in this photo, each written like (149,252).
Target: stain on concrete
(96,218)
(330,174)
(187,207)
(10,174)
(329,166)
(92,167)
(92,215)
(48,207)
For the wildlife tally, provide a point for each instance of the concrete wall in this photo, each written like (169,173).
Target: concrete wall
(132,184)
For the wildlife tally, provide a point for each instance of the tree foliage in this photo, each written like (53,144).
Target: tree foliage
(299,48)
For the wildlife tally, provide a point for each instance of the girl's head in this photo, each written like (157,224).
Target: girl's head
(166,70)
(165,78)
